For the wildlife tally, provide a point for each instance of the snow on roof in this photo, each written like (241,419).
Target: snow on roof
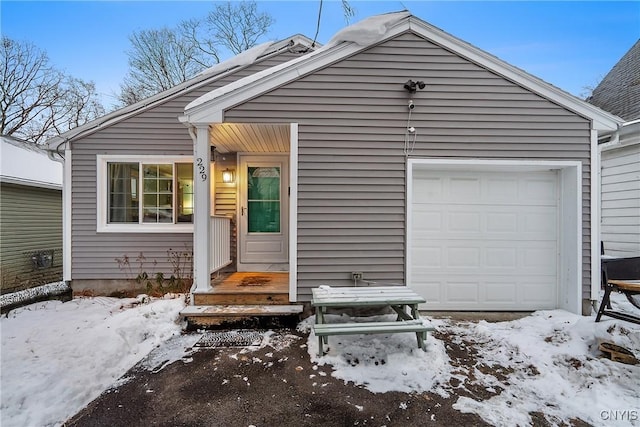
(369,30)
(27,164)
(363,33)
(246,57)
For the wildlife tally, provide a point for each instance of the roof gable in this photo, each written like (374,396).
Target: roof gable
(210,107)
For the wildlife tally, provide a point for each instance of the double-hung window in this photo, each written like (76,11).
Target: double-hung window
(150,193)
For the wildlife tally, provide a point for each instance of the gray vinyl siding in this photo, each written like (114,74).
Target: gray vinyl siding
(352,118)
(30,222)
(621,201)
(156,131)
(226,196)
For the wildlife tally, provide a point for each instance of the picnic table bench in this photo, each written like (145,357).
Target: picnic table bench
(401,299)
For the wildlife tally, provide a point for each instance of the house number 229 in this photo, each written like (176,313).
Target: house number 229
(201,169)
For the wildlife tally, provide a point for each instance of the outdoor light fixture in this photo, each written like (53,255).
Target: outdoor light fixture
(412,86)
(228,177)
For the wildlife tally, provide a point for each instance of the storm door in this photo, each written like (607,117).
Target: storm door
(263,210)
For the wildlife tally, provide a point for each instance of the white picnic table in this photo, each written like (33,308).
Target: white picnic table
(401,299)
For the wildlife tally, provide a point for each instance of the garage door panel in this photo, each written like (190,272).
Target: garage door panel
(502,190)
(538,294)
(485,240)
(462,188)
(500,293)
(462,292)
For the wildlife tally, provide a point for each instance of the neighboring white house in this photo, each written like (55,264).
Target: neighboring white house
(30,216)
(619,93)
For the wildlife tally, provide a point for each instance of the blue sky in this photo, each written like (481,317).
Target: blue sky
(569,44)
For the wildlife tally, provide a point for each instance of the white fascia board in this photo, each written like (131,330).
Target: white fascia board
(602,121)
(29,183)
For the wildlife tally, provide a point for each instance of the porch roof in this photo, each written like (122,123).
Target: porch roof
(250,137)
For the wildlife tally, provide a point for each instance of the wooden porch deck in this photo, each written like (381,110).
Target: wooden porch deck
(238,296)
(246,283)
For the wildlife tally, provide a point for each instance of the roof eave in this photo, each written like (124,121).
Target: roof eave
(250,87)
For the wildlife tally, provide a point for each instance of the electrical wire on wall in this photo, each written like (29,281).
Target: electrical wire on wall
(410,134)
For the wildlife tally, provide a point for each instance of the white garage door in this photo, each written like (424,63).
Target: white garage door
(484,240)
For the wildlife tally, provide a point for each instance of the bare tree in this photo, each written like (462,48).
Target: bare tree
(234,27)
(38,100)
(160,59)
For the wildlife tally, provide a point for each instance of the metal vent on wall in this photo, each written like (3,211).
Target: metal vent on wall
(42,259)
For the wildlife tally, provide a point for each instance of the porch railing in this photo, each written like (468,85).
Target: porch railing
(220,242)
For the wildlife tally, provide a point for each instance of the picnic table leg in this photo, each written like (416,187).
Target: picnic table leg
(321,340)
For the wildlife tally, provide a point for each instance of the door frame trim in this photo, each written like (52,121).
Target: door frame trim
(284,228)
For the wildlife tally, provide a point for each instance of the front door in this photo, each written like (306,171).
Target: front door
(263,211)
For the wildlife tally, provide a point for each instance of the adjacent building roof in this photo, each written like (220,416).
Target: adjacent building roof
(619,91)
(210,107)
(25,163)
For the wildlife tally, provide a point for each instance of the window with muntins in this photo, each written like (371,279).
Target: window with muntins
(149,192)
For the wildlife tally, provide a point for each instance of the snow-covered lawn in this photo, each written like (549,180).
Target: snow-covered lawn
(58,357)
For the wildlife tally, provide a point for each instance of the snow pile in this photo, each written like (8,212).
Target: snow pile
(555,367)
(246,57)
(547,363)
(44,291)
(384,363)
(369,30)
(57,357)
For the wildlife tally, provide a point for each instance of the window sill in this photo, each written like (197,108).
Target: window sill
(145,228)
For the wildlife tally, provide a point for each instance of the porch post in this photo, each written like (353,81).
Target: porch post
(201,211)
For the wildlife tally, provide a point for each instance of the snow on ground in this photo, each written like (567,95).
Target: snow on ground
(551,358)
(56,357)
(383,362)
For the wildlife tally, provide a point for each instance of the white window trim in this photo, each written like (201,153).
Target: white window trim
(102,226)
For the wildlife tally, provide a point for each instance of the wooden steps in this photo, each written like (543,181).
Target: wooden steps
(243,299)
(236,315)
(224,297)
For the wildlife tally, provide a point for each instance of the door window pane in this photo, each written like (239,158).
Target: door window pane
(263,194)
